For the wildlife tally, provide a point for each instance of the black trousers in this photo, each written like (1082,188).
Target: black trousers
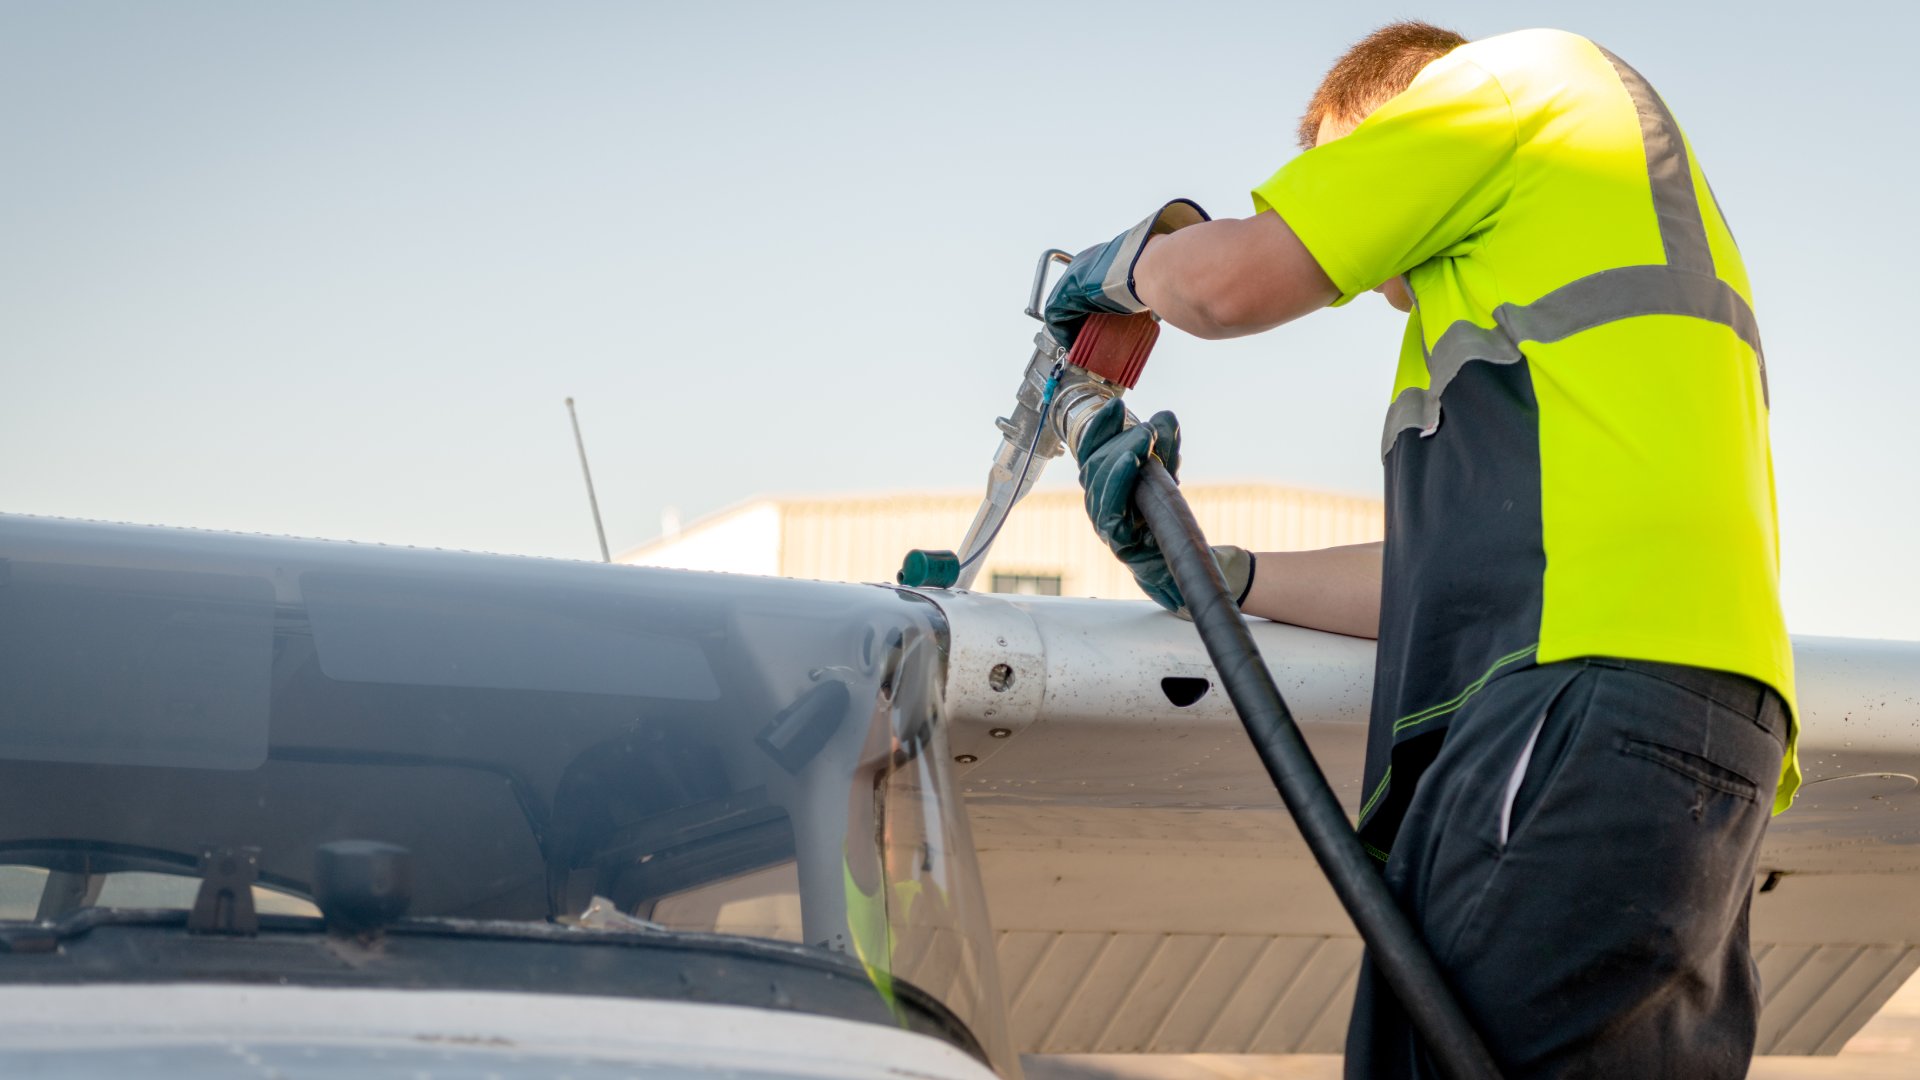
(1580,857)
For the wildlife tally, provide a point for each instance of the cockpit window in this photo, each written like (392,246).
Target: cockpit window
(132,665)
(760,903)
(552,743)
(33,893)
(371,629)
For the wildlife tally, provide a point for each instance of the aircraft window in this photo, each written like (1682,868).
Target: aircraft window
(762,903)
(371,629)
(33,892)
(714,753)
(20,889)
(135,666)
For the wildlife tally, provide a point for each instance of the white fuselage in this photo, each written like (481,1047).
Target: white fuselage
(182,1030)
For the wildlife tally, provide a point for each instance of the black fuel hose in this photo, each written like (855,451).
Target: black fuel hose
(1392,944)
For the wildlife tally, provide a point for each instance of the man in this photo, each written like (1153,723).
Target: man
(1582,708)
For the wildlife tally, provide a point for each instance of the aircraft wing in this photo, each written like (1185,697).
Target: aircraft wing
(1151,894)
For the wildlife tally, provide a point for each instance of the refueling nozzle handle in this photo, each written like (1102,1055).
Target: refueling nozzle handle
(1059,393)
(1039,291)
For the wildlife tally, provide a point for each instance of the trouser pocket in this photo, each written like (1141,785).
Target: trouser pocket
(1609,938)
(1692,766)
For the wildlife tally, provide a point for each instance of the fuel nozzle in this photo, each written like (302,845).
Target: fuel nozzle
(1106,361)
(1059,392)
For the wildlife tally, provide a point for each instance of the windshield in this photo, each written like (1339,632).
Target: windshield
(707,752)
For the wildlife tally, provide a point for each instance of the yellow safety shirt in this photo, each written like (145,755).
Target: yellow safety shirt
(1576,450)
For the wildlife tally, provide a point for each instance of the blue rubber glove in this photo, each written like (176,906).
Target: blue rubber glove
(1100,279)
(1111,456)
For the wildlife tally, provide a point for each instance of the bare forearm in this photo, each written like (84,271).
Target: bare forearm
(1335,589)
(1231,277)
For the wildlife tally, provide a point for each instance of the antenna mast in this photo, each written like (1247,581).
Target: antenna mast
(581,444)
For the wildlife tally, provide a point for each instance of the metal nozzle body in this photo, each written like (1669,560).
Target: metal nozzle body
(1076,397)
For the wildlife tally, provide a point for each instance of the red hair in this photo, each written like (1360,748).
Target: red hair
(1375,70)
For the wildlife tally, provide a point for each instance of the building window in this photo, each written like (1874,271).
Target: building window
(1027,584)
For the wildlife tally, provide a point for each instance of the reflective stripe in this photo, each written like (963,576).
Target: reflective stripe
(1685,285)
(1682,232)
(1624,292)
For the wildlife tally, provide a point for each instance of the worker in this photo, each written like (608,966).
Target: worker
(1583,699)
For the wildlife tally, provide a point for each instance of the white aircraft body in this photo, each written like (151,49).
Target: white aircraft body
(1151,895)
(308,808)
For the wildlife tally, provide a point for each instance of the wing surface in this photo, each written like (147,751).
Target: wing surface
(1150,893)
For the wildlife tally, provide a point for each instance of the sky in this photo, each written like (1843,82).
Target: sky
(330,269)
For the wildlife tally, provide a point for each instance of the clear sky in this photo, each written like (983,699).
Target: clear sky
(330,268)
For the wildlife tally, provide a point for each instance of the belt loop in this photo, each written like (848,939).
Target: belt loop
(1772,713)
(1605,661)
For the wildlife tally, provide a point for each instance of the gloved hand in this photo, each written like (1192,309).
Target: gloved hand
(1110,462)
(1100,279)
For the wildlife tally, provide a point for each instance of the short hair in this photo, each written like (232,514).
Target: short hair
(1375,70)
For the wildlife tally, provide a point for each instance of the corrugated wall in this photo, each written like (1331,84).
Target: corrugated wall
(863,539)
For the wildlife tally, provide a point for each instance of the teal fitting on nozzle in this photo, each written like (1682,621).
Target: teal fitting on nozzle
(929,569)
